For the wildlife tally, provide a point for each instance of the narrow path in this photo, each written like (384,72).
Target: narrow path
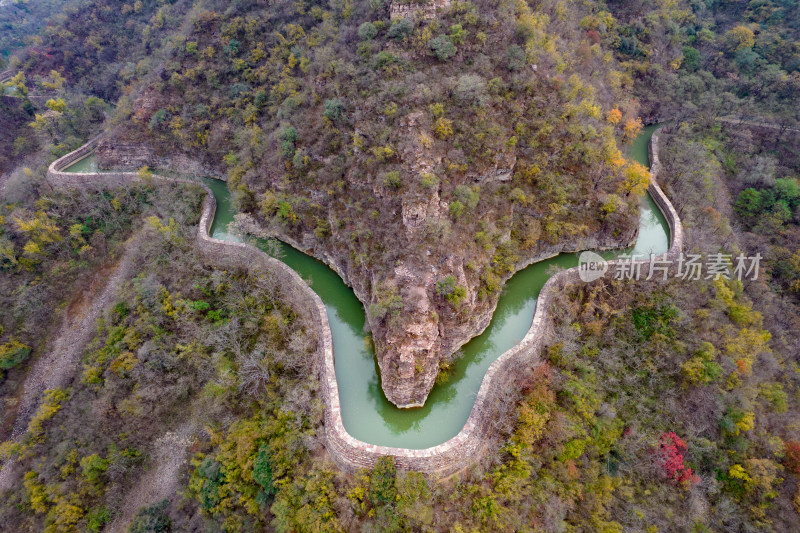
(160,481)
(57,367)
(754,124)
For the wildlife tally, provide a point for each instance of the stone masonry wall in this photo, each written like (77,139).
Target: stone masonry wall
(412,9)
(350,454)
(126,156)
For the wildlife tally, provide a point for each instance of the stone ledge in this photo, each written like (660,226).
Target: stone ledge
(350,454)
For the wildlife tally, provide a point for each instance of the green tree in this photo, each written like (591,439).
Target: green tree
(691,58)
(748,204)
(151,519)
(333,109)
(400,29)
(442,47)
(367,31)
(288,137)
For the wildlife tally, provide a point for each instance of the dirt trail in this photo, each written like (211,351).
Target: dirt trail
(160,481)
(58,366)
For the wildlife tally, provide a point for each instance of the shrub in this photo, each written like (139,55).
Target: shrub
(385,58)
(389,302)
(443,128)
(158,118)
(97,518)
(611,205)
(468,196)
(456,209)
(93,467)
(285,212)
(392,180)
(49,407)
(650,320)
(448,288)
(429,180)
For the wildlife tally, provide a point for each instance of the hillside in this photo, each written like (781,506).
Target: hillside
(426,160)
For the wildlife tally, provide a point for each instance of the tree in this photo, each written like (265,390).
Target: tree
(400,29)
(740,38)
(58,105)
(457,33)
(791,459)
(671,450)
(443,128)
(56,83)
(382,487)
(516,57)
(691,58)
(748,204)
(151,519)
(333,109)
(442,47)
(288,137)
(637,179)
(614,116)
(367,31)
(702,369)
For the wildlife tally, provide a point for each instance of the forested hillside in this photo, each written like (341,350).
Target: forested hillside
(426,158)
(713,58)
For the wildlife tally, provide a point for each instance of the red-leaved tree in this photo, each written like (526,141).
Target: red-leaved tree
(791,458)
(671,449)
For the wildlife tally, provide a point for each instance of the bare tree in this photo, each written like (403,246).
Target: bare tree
(254,374)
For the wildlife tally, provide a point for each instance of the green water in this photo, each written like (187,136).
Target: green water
(85,164)
(366,413)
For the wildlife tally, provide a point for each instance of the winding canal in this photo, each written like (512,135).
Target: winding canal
(366,413)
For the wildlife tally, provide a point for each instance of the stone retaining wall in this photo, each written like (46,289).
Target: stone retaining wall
(350,454)
(128,156)
(410,9)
